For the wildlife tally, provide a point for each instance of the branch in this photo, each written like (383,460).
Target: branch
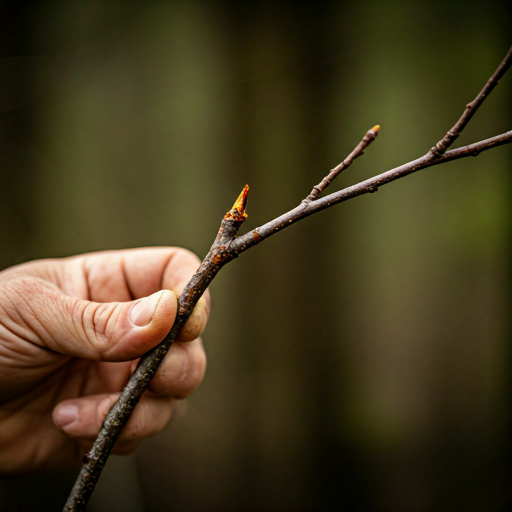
(227,246)
(119,414)
(472,107)
(307,208)
(370,136)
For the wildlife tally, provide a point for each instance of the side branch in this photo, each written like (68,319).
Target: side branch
(440,148)
(370,136)
(305,209)
(435,156)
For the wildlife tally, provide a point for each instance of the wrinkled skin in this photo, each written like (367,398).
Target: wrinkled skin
(71,332)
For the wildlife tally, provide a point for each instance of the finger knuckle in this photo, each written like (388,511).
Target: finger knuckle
(193,372)
(198,365)
(146,422)
(94,320)
(188,255)
(134,429)
(126,448)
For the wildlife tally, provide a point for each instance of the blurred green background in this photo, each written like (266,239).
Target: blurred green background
(358,361)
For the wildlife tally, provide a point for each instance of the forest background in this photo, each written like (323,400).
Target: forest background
(361,358)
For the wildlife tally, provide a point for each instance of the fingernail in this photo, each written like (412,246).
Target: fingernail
(142,313)
(66,415)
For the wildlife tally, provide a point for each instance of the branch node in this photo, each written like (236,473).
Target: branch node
(435,152)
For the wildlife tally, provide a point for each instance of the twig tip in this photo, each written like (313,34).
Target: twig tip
(376,128)
(238,209)
(242,200)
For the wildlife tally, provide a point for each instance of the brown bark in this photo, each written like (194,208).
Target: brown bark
(228,246)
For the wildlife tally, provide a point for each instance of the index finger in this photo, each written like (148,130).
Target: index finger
(124,275)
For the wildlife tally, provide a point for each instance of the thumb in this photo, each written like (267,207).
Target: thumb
(110,331)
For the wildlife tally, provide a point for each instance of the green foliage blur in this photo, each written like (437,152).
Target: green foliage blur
(359,360)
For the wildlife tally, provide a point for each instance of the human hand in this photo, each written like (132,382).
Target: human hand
(71,333)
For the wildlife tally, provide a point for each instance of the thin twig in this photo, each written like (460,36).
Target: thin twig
(369,137)
(306,208)
(228,246)
(440,148)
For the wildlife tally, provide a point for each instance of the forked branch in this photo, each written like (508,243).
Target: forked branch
(228,245)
